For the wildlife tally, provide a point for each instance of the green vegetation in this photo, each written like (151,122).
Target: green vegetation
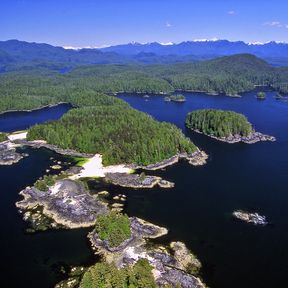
(118,132)
(176,98)
(115,228)
(78,161)
(44,183)
(103,275)
(39,85)
(3,137)
(218,123)
(261,95)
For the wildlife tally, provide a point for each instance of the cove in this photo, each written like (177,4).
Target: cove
(21,120)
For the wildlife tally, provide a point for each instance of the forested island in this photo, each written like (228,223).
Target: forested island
(261,95)
(227,126)
(175,98)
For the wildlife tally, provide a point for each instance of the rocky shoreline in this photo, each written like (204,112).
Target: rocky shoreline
(252,138)
(40,143)
(169,268)
(8,154)
(197,158)
(137,181)
(66,202)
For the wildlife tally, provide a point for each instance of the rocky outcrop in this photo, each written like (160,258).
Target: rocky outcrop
(67,203)
(168,268)
(196,158)
(253,218)
(252,138)
(136,180)
(40,143)
(8,154)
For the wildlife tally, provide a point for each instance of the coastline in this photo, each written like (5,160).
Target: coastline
(197,158)
(35,109)
(251,139)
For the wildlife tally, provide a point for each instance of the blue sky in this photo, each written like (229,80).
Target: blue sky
(81,23)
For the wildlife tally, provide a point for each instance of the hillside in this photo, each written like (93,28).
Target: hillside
(14,52)
(36,85)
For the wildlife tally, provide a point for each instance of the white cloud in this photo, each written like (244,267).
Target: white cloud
(277,24)
(231,12)
(168,24)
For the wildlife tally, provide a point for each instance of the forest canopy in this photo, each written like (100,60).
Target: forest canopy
(102,275)
(38,85)
(218,123)
(118,132)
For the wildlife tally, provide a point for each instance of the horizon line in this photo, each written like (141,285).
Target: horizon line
(102,46)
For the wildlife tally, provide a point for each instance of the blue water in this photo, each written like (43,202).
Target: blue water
(197,211)
(13,121)
(239,176)
(34,260)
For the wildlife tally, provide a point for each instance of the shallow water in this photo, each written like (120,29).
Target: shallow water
(239,176)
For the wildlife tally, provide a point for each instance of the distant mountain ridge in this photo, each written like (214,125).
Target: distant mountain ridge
(204,48)
(15,52)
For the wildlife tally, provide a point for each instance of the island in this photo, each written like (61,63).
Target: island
(175,98)
(253,218)
(261,95)
(226,126)
(122,242)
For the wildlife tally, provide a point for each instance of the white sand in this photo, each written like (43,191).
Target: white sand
(17,136)
(94,168)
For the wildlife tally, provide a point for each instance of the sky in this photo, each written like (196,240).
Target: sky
(98,23)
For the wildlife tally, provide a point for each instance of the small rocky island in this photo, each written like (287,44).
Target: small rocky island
(226,126)
(261,95)
(253,218)
(175,98)
(66,202)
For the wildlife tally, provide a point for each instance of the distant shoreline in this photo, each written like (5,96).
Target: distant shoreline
(35,109)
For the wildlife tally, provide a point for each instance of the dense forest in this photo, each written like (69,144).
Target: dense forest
(218,123)
(114,228)
(120,133)
(102,275)
(36,85)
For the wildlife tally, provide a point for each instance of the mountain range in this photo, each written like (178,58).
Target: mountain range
(15,52)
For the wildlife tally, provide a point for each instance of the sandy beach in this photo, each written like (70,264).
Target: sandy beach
(94,168)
